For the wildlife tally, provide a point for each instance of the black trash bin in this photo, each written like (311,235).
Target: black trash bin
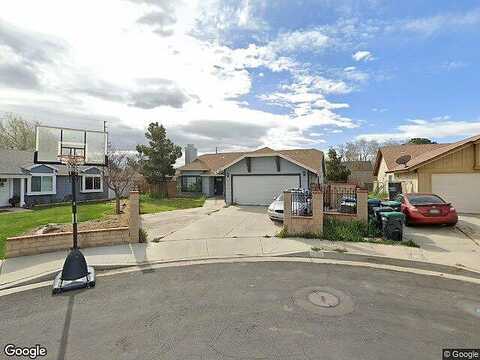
(373,203)
(395,205)
(377,214)
(392,225)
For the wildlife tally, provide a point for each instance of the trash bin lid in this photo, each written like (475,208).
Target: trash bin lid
(391,203)
(391,215)
(380,209)
(374,202)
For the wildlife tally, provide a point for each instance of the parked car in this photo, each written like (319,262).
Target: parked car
(427,208)
(301,204)
(348,205)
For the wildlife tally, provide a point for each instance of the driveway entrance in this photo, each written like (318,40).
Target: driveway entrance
(218,223)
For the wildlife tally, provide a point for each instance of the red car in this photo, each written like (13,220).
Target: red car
(427,208)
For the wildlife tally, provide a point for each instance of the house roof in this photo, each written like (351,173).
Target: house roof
(212,163)
(393,152)
(16,162)
(434,154)
(358,165)
(13,161)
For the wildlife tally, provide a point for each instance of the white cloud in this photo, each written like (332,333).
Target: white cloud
(440,128)
(428,26)
(363,56)
(142,65)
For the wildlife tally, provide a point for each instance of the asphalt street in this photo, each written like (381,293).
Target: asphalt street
(248,311)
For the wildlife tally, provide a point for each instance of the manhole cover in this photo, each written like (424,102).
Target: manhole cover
(470,307)
(323,299)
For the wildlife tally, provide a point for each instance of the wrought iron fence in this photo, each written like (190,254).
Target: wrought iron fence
(340,199)
(301,203)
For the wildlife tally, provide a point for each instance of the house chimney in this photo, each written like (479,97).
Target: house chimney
(190,153)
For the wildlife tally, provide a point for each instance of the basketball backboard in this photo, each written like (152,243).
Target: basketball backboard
(53,144)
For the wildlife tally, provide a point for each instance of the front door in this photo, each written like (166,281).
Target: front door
(218,186)
(4,192)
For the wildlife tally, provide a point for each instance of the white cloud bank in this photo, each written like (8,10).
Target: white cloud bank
(156,61)
(436,128)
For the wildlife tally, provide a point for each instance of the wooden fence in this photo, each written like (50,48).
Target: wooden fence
(166,188)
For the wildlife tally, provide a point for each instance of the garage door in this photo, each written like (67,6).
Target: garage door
(462,190)
(261,190)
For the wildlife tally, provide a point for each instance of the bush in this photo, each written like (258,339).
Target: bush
(142,236)
(336,230)
(14,200)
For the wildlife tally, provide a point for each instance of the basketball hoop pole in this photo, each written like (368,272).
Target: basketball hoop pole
(73,177)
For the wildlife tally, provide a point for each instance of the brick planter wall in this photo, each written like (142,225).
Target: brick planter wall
(38,244)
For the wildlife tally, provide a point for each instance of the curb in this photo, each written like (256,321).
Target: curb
(327,257)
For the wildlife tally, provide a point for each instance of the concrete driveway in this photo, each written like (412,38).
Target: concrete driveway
(444,238)
(210,222)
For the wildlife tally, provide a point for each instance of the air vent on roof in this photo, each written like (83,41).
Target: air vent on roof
(403,160)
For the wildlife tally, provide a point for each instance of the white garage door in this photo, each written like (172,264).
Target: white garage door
(261,190)
(462,190)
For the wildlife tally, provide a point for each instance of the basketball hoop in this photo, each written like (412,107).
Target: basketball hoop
(72,148)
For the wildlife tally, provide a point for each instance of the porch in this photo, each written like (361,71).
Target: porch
(12,186)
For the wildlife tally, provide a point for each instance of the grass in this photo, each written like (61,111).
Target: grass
(349,231)
(15,224)
(150,204)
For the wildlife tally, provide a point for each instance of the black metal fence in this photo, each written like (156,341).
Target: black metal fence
(339,199)
(301,203)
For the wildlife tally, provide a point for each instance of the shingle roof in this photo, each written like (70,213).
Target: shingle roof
(12,161)
(211,163)
(434,153)
(16,162)
(393,152)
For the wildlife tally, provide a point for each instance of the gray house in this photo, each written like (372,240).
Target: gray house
(252,178)
(43,184)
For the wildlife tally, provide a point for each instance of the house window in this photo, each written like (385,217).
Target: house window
(191,184)
(41,185)
(92,183)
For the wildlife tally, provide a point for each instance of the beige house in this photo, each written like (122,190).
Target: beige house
(361,173)
(449,170)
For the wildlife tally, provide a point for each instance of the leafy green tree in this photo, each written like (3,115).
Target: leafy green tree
(336,171)
(158,157)
(420,141)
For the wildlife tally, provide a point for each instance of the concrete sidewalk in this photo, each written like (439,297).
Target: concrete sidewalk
(27,269)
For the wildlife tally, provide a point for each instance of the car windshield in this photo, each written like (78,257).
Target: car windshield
(279,197)
(425,199)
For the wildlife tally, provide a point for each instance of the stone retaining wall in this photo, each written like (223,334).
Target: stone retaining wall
(38,244)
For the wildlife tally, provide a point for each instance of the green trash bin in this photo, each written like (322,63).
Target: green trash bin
(392,225)
(395,205)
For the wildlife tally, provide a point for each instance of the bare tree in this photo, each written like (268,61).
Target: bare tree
(120,174)
(16,133)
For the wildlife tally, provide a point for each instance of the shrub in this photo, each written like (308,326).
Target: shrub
(336,230)
(283,233)
(142,236)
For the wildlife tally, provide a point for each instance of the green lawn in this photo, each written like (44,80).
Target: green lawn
(15,224)
(150,204)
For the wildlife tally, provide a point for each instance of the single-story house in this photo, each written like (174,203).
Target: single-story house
(252,178)
(361,173)
(43,184)
(449,170)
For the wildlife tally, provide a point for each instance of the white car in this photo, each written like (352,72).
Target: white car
(301,205)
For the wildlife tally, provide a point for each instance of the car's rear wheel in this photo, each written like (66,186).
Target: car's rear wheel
(408,222)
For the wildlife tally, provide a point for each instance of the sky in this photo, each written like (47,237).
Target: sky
(243,74)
